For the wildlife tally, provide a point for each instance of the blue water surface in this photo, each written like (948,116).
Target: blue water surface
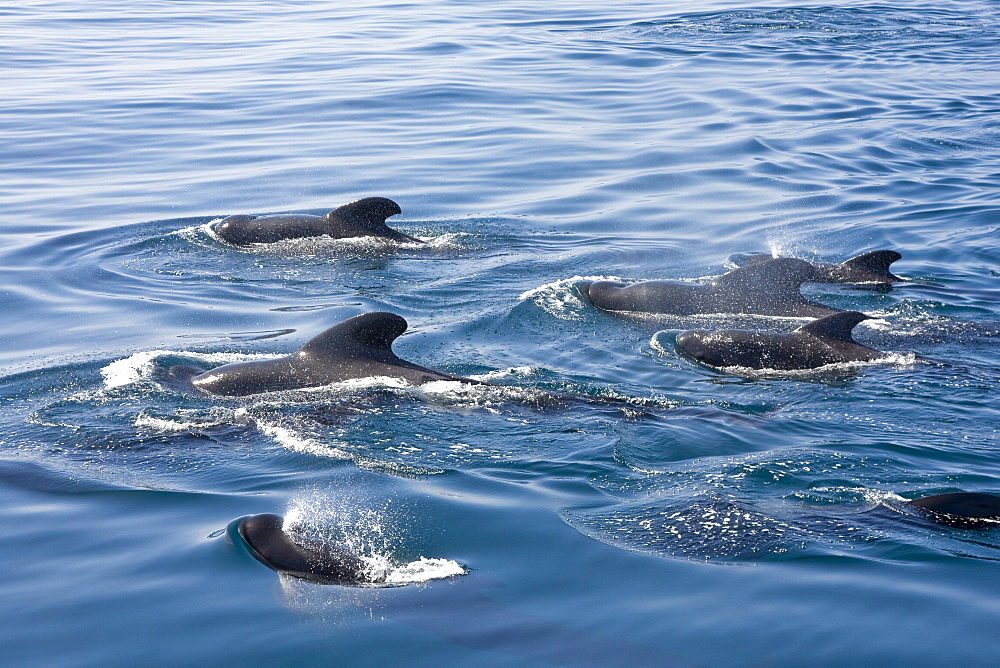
(604,501)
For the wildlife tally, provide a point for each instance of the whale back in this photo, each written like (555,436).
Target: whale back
(243,230)
(784,273)
(962,509)
(770,287)
(821,342)
(754,350)
(647,296)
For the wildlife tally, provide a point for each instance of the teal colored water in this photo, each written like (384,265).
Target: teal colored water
(605,501)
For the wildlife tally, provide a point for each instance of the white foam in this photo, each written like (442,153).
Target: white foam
(486,397)
(904,360)
(656,346)
(515,372)
(449,241)
(140,366)
(131,369)
(196,233)
(355,384)
(364,532)
(322,243)
(423,570)
(296,441)
(166,425)
(561,299)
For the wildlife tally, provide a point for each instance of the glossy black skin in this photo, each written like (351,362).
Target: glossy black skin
(768,287)
(871,267)
(319,562)
(363,218)
(360,347)
(961,509)
(821,342)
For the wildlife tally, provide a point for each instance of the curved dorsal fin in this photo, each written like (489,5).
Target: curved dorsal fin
(369,213)
(876,261)
(837,326)
(375,331)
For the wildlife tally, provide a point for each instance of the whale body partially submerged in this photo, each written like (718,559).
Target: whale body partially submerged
(363,218)
(961,509)
(824,341)
(871,267)
(359,347)
(770,287)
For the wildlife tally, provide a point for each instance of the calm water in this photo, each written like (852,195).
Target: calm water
(660,513)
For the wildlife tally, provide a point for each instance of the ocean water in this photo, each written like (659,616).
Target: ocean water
(604,501)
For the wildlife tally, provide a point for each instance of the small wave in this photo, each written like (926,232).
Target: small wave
(141,366)
(708,527)
(295,440)
(561,298)
(183,422)
(199,234)
(824,25)
(490,398)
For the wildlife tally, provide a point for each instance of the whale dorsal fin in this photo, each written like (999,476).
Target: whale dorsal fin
(372,331)
(876,262)
(369,213)
(837,326)
(778,277)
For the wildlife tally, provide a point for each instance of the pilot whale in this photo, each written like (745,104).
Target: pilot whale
(824,341)
(363,218)
(359,347)
(323,562)
(768,287)
(961,509)
(871,267)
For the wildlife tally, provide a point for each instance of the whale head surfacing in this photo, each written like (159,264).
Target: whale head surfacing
(322,562)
